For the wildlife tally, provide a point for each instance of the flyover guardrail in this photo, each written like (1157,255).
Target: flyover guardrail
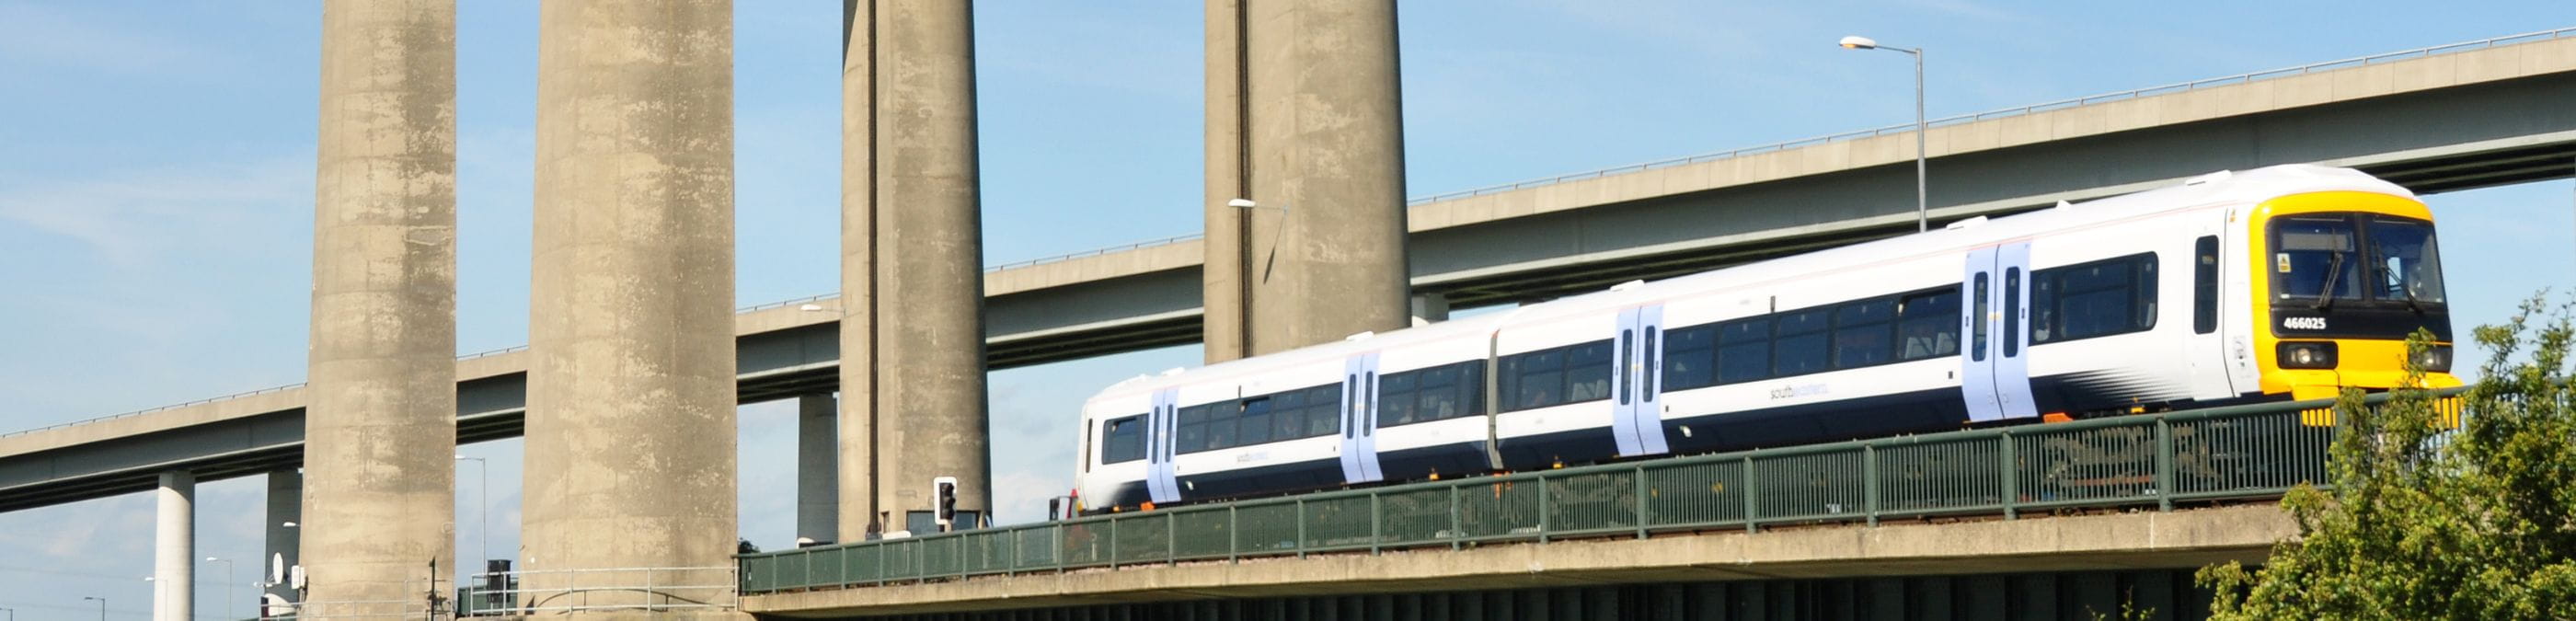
(2150,460)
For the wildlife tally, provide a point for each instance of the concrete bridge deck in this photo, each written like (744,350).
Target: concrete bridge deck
(2148,539)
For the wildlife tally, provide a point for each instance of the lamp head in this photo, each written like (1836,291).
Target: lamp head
(1858,42)
(1241,203)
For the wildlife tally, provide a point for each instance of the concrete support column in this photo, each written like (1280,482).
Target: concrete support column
(285,504)
(174,547)
(1305,119)
(817,468)
(927,253)
(631,452)
(381,427)
(858,441)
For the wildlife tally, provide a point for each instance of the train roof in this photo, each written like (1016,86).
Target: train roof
(2210,190)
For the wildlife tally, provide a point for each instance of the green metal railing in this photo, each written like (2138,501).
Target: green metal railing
(2236,452)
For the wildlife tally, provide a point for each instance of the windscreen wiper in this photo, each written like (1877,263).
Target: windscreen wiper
(2325,294)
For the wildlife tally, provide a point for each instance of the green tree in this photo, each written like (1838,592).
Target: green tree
(2434,516)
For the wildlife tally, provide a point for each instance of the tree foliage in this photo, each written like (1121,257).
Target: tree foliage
(2433,516)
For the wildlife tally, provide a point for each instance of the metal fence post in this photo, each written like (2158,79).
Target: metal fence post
(1640,474)
(1869,482)
(1113,542)
(648,586)
(1301,528)
(1543,508)
(961,554)
(1457,524)
(1172,539)
(1751,487)
(2164,464)
(2012,470)
(1233,534)
(1377,521)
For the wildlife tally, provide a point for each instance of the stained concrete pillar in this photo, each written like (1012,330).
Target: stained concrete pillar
(1305,119)
(817,468)
(858,441)
(926,249)
(174,547)
(285,506)
(380,429)
(631,406)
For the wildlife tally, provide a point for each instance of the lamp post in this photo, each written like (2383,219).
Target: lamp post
(102,607)
(483,508)
(228,583)
(1922,211)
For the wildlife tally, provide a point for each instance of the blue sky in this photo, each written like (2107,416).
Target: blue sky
(156,179)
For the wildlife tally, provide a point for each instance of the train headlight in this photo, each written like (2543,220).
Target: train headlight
(2307,355)
(2434,359)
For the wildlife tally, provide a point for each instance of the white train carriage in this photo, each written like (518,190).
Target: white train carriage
(2228,288)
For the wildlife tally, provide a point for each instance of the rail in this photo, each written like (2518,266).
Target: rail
(2227,453)
(2177,87)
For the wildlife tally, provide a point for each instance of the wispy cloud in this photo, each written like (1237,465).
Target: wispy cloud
(53,35)
(132,218)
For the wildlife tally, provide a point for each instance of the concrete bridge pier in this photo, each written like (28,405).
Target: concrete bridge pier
(174,547)
(380,426)
(817,468)
(911,263)
(631,453)
(1305,119)
(285,506)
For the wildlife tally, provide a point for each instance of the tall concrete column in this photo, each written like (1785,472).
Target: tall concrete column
(631,405)
(927,252)
(381,427)
(817,468)
(1305,119)
(174,547)
(285,504)
(858,441)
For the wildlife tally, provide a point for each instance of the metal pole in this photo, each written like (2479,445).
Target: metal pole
(228,583)
(1922,201)
(102,608)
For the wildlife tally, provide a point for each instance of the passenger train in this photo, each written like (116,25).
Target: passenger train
(2287,282)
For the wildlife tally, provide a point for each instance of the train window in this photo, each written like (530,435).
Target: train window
(1799,346)
(1439,389)
(1471,382)
(1744,350)
(1221,427)
(1587,372)
(2408,262)
(1927,324)
(1983,306)
(1556,376)
(2100,298)
(1255,426)
(1322,406)
(1190,434)
(1395,399)
(2204,285)
(1648,377)
(1124,440)
(1690,357)
(1287,415)
(1861,332)
(2012,312)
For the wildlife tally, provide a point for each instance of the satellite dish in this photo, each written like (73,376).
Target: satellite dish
(276,568)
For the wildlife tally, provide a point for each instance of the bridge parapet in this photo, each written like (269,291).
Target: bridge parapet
(2142,462)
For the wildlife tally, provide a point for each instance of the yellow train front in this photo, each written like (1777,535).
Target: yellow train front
(2339,280)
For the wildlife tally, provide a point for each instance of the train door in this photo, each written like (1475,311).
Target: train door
(1637,410)
(2206,347)
(1994,316)
(1160,482)
(1359,419)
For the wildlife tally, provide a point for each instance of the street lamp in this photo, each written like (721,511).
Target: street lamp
(228,583)
(483,507)
(102,607)
(1922,213)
